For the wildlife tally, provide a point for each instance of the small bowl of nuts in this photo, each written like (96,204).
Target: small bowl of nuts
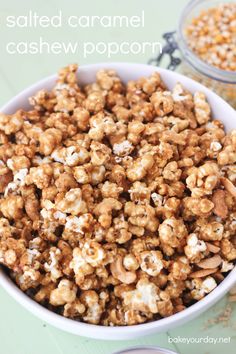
(117,205)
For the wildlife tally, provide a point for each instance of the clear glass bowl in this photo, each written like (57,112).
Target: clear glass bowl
(221,81)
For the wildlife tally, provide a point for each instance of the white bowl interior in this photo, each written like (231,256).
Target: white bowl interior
(127,71)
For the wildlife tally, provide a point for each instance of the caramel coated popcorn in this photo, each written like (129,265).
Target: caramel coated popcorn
(117,201)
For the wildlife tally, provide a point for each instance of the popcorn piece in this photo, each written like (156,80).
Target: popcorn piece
(109,189)
(135,128)
(74,309)
(108,80)
(130,262)
(41,176)
(89,174)
(104,210)
(202,287)
(49,140)
(228,249)
(212,231)
(94,309)
(142,216)
(226,267)
(215,146)
(228,154)
(80,267)
(31,202)
(72,202)
(123,149)
(171,171)
(199,207)
(93,253)
(63,183)
(101,125)
(64,293)
(139,193)
(151,262)
(18,163)
(139,168)
(179,94)
(150,84)
(195,248)
(144,298)
(10,257)
(78,224)
(172,231)
(95,102)
(180,269)
(162,102)
(11,124)
(203,180)
(71,156)
(157,199)
(5,178)
(12,207)
(100,153)
(53,267)
(120,231)
(18,181)
(81,117)
(202,108)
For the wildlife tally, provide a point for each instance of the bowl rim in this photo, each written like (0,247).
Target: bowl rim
(116,332)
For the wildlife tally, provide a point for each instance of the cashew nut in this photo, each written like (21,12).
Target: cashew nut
(221,208)
(119,272)
(229,186)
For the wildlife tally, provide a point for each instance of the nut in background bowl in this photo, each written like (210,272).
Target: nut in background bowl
(127,71)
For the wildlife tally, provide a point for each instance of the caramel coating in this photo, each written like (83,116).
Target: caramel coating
(115,199)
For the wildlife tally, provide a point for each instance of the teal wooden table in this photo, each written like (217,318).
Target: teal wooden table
(21,332)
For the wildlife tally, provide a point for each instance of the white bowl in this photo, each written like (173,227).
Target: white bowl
(127,71)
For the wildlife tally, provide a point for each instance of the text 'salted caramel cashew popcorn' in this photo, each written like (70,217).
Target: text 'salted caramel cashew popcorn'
(117,201)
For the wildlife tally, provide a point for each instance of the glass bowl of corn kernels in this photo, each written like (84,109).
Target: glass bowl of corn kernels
(207,41)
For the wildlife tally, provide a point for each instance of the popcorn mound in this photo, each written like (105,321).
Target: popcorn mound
(117,201)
